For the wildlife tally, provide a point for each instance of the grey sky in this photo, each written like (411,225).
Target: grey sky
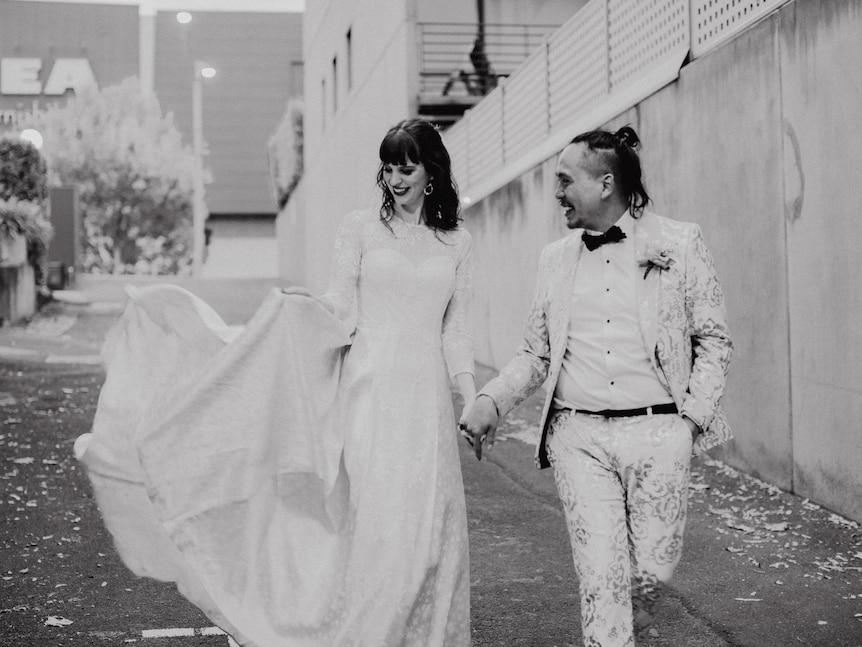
(151,6)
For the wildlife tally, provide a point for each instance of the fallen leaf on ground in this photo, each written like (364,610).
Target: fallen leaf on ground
(740,526)
(57,621)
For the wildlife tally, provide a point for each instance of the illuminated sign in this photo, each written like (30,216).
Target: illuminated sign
(20,76)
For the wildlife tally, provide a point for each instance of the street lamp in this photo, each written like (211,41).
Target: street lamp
(33,136)
(202,71)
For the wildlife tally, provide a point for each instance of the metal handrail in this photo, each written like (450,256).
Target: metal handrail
(457,59)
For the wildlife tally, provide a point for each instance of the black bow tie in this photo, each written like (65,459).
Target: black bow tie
(612,235)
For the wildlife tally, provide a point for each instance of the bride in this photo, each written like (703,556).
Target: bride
(299,479)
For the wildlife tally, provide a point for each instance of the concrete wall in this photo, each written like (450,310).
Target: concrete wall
(340,143)
(758,142)
(821,80)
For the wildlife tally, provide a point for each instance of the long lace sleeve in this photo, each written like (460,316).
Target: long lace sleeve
(346,259)
(458,318)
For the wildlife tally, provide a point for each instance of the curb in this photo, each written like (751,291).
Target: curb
(29,355)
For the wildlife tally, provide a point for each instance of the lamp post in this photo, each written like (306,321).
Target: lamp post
(202,71)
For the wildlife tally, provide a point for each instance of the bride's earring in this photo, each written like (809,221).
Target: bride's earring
(429,189)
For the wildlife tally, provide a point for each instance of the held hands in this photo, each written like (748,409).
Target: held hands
(478,423)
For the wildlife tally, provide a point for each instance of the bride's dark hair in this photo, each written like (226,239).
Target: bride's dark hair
(418,141)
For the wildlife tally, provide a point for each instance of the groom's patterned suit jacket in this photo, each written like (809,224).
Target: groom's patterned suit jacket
(682,320)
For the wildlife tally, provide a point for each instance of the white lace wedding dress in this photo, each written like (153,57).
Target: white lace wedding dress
(302,487)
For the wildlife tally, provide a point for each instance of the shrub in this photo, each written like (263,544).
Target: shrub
(25,218)
(23,188)
(285,153)
(23,173)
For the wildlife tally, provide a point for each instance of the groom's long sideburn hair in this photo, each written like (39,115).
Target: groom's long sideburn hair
(617,153)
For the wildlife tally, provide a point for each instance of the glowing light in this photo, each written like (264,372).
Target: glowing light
(208,72)
(32,136)
(184,17)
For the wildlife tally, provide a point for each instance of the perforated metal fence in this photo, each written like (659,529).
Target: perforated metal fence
(715,21)
(604,49)
(641,32)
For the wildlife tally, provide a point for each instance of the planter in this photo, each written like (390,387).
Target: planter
(17,293)
(13,250)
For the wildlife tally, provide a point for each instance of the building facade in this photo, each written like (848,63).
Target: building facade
(369,64)
(48,49)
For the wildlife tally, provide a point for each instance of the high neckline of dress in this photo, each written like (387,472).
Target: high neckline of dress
(408,224)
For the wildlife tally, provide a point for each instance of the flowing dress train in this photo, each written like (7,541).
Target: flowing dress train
(299,479)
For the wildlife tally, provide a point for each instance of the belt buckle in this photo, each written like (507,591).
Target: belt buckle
(649,412)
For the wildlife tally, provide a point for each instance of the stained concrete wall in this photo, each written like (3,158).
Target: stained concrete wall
(821,79)
(758,142)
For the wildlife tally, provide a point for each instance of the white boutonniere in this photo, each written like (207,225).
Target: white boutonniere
(655,257)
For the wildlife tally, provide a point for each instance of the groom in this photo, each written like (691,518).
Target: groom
(628,328)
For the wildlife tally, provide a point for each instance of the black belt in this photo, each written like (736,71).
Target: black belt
(625,413)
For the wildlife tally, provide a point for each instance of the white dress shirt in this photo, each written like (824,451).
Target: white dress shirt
(606,365)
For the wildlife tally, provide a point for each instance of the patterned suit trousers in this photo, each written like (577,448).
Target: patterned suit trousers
(624,487)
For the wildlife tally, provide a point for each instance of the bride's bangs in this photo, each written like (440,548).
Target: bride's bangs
(399,148)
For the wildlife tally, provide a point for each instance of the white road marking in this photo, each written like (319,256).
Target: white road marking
(183,632)
(166,633)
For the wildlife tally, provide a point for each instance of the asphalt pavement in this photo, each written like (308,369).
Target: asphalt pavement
(761,567)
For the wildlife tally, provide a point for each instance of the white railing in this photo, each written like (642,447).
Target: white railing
(485,145)
(609,56)
(525,114)
(578,86)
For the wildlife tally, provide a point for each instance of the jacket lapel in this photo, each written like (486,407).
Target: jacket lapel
(561,298)
(648,239)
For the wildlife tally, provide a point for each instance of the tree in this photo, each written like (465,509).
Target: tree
(133,174)
(284,149)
